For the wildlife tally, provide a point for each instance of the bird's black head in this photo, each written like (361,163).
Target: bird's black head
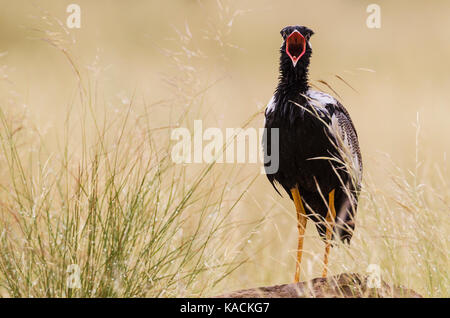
(296,46)
(294,60)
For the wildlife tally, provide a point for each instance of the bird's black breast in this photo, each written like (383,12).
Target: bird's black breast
(303,146)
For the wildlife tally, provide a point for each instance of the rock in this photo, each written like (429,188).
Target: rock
(347,285)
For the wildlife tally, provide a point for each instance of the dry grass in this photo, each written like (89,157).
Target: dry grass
(87,177)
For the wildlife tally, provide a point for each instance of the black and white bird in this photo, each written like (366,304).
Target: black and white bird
(319,160)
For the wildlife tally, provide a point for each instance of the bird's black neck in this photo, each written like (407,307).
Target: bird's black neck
(293,81)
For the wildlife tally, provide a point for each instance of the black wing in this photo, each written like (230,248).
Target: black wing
(348,146)
(266,142)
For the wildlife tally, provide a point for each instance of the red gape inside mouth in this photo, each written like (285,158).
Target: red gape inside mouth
(295,46)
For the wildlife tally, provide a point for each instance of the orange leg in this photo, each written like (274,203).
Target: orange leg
(331,216)
(301,225)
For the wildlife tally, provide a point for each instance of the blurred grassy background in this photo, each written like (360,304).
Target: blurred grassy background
(139,49)
(407,55)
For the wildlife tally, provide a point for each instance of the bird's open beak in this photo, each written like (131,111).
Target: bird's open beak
(295,46)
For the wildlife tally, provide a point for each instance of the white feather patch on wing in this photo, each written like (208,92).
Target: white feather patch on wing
(269,108)
(271,105)
(320,97)
(319,100)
